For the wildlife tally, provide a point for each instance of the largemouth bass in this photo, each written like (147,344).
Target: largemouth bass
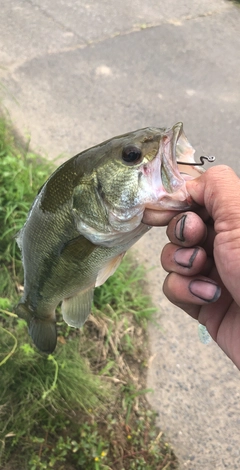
(87,215)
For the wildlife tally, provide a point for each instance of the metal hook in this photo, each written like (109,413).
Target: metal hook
(209,158)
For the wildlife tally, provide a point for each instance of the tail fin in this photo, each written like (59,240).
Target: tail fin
(44,334)
(42,331)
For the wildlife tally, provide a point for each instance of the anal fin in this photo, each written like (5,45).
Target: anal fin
(76,309)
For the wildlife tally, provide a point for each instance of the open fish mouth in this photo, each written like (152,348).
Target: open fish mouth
(176,149)
(165,183)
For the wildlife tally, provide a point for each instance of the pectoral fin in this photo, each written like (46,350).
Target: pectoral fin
(108,269)
(76,309)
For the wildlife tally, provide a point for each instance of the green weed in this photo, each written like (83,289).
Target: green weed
(125,292)
(39,392)
(21,175)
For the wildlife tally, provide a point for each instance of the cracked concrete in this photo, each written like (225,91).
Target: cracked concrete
(21,13)
(75,73)
(45,28)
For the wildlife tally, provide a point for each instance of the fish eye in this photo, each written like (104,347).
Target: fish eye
(131,155)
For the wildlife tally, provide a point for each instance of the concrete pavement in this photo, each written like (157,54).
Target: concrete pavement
(75,73)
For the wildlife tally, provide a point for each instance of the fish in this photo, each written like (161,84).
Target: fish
(88,214)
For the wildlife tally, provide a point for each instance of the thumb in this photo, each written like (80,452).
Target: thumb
(218,189)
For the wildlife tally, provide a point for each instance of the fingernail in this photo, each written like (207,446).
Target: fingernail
(205,290)
(185,256)
(179,228)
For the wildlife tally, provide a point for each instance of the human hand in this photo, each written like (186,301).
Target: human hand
(203,258)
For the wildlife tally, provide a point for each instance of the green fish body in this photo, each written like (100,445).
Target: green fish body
(87,215)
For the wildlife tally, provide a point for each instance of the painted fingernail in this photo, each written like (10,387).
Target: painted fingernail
(205,290)
(179,228)
(185,256)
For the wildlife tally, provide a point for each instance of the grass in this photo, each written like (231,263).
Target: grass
(21,175)
(83,407)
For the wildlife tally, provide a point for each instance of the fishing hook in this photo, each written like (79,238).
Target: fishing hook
(209,158)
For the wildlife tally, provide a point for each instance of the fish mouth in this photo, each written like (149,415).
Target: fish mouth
(176,149)
(168,175)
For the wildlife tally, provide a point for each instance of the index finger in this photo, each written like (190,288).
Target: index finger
(157,218)
(187,229)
